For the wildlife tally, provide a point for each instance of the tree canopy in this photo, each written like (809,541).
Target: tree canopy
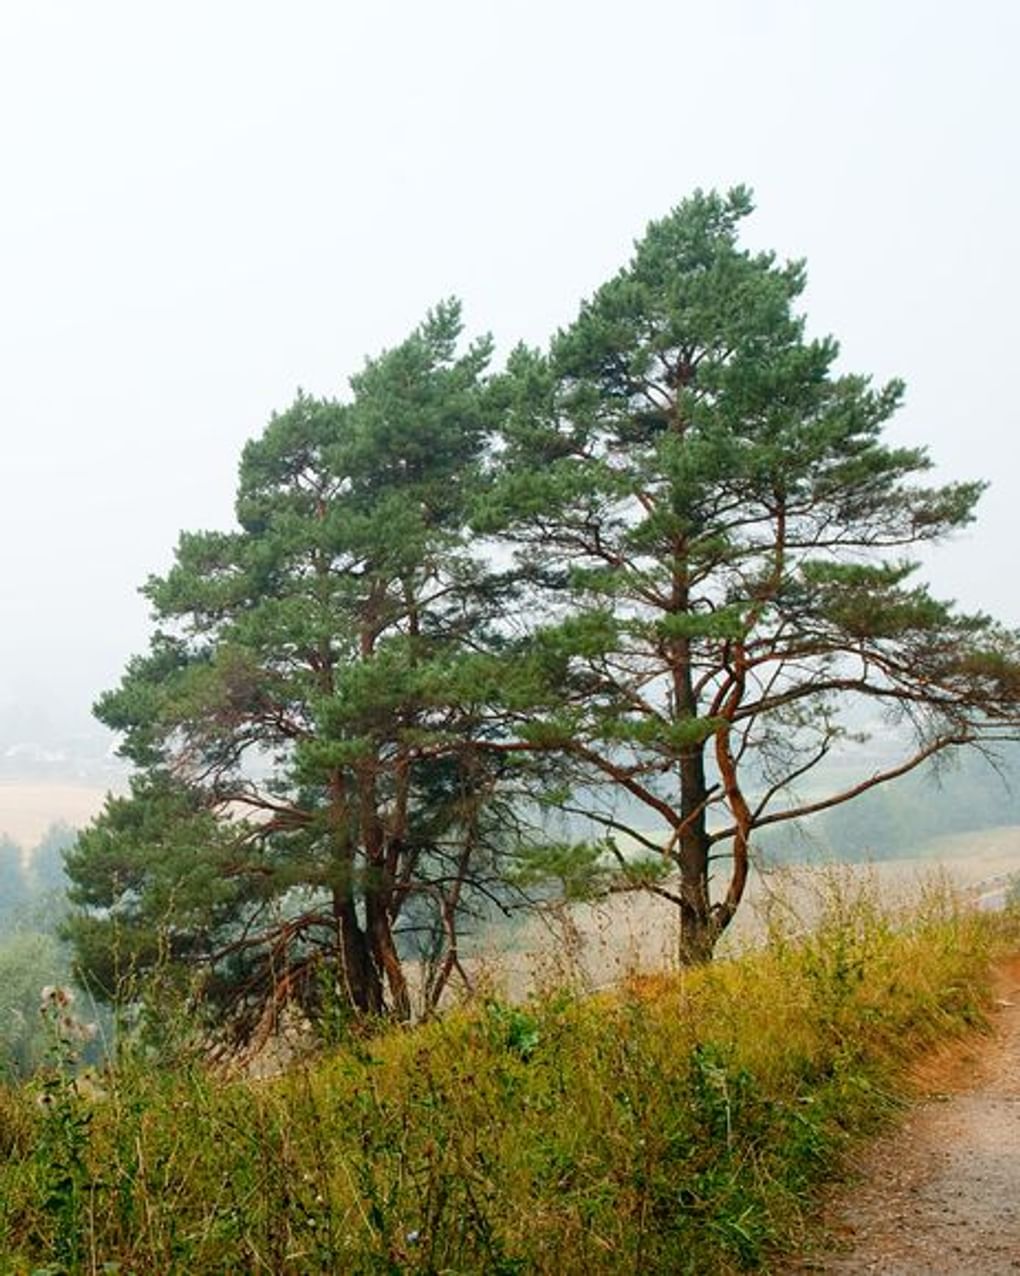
(648,576)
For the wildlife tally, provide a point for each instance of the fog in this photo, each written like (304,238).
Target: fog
(207,206)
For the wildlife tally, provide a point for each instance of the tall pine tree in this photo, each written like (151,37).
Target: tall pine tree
(307,807)
(719,536)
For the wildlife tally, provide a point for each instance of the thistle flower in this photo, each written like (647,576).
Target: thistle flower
(55,996)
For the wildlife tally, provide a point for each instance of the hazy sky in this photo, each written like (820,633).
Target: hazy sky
(207,205)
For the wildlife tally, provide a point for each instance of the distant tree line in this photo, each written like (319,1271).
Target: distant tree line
(636,579)
(33,886)
(33,904)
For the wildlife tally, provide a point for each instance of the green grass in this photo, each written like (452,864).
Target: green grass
(680,1124)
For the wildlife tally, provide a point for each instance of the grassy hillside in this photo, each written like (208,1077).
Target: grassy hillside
(678,1124)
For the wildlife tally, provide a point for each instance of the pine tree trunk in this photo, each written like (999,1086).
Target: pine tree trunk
(698,932)
(698,936)
(384,954)
(361,977)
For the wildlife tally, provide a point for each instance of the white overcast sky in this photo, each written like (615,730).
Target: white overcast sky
(207,205)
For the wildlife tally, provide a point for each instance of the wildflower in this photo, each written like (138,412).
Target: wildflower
(55,996)
(74,1029)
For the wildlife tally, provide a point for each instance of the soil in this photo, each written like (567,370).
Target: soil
(941,1194)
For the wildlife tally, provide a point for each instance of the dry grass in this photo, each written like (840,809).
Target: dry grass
(679,1122)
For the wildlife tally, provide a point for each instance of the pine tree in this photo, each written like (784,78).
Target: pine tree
(719,536)
(307,808)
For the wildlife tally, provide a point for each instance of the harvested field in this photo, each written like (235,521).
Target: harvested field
(27,810)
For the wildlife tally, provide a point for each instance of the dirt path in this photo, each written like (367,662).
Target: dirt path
(942,1194)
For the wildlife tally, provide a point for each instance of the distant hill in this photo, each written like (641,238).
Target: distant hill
(967,793)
